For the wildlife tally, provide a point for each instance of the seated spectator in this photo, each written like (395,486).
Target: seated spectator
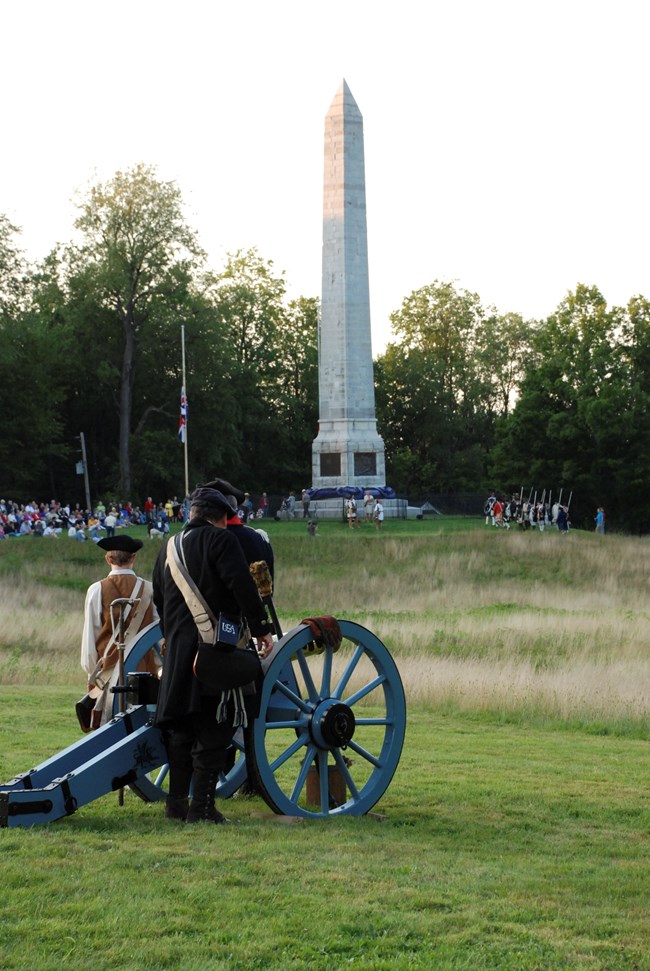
(95,527)
(157,529)
(77,531)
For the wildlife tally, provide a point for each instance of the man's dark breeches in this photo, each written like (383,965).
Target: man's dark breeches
(200,738)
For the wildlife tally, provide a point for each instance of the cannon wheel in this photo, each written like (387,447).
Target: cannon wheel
(331,726)
(152,787)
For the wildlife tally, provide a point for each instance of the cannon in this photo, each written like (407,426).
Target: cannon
(326,742)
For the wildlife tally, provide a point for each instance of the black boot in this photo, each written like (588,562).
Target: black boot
(177,807)
(180,777)
(202,807)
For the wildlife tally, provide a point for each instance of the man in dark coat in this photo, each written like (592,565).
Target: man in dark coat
(255,547)
(251,540)
(186,712)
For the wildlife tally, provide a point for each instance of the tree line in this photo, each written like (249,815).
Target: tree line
(468,399)
(91,342)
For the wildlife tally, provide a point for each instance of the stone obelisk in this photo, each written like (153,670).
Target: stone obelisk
(347,451)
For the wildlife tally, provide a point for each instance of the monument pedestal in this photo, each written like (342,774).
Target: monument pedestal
(348,453)
(321,510)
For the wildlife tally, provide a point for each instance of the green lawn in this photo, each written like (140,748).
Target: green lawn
(514,834)
(501,847)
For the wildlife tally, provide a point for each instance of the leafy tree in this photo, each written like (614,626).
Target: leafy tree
(291,397)
(272,349)
(503,343)
(13,271)
(136,262)
(32,376)
(435,407)
(632,419)
(213,434)
(249,299)
(566,428)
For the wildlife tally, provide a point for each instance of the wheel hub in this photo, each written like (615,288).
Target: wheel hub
(332,725)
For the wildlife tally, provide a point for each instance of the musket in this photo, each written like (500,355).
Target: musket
(568,505)
(122,603)
(559,502)
(530,495)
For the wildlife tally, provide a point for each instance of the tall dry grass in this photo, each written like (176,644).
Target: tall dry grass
(505,621)
(582,691)
(481,620)
(40,632)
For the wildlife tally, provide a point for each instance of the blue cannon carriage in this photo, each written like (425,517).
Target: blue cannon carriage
(326,742)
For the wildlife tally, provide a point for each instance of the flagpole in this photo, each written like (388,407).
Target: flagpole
(187,475)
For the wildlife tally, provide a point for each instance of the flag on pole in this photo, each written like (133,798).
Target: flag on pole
(182,421)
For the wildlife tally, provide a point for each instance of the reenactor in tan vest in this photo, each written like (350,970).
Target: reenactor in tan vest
(99,650)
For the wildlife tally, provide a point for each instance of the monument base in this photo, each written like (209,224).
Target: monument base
(348,452)
(334,509)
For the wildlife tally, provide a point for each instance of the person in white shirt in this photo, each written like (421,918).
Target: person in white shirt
(368,506)
(99,653)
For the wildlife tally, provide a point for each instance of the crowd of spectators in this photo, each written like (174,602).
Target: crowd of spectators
(54,519)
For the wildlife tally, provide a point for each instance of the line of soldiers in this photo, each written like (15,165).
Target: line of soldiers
(527,513)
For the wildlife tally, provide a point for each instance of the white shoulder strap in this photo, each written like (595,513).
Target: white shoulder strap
(201,612)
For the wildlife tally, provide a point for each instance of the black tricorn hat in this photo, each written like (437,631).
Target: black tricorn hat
(125,543)
(226,488)
(208,496)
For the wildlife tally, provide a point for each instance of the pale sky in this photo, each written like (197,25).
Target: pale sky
(506,143)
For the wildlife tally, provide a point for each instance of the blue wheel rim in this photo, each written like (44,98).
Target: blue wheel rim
(285,740)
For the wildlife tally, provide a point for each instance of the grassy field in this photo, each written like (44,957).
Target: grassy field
(514,625)
(516,828)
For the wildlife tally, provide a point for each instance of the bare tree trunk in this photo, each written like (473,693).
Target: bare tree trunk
(126,405)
